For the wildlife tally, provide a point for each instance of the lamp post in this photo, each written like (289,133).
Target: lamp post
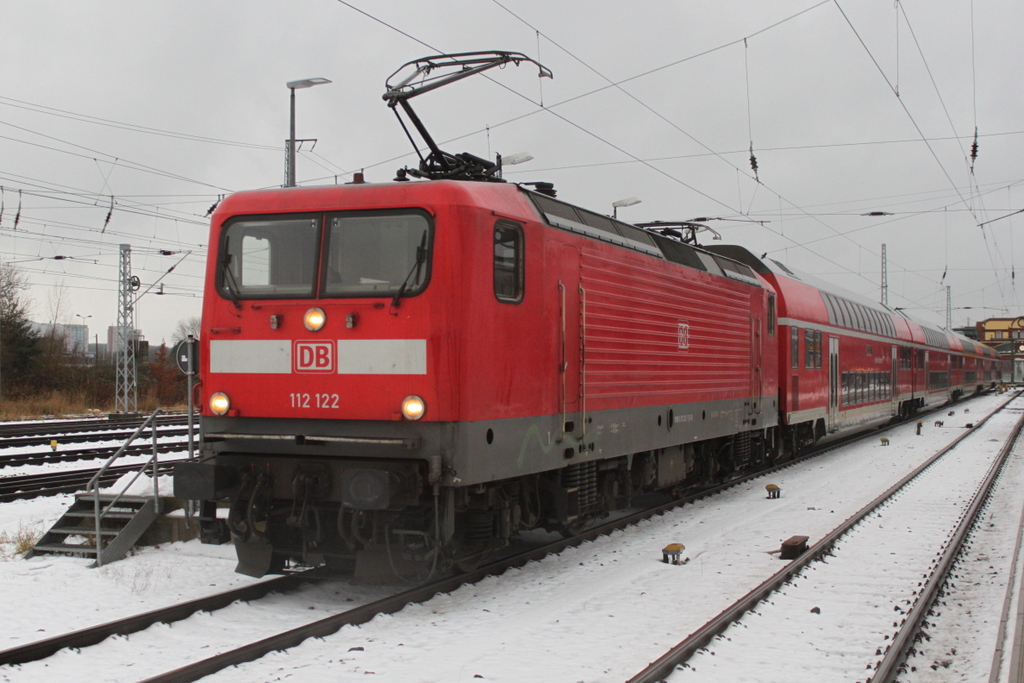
(623,202)
(84,318)
(290,160)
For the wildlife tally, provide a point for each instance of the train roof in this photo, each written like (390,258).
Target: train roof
(511,200)
(848,309)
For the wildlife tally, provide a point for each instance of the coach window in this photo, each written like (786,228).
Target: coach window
(771,315)
(508,262)
(794,343)
(812,349)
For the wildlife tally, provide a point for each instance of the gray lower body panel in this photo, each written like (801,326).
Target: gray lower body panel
(488,450)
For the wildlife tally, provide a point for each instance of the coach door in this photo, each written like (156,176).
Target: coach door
(894,398)
(833,382)
(571,298)
(756,388)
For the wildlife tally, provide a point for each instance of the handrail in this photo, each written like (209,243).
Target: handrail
(94,487)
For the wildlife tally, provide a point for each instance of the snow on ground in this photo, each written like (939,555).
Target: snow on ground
(964,627)
(52,594)
(602,611)
(599,612)
(60,466)
(164,647)
(834,615)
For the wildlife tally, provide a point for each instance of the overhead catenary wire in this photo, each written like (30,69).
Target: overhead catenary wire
(750,126)
(549,108)
(618,85)
(903,105)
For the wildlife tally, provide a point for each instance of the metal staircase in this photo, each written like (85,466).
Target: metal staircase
(107,525)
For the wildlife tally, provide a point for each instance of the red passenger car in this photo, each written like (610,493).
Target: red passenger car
(847,363)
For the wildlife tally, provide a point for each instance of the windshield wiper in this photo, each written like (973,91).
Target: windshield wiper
(229,281)
(421,257)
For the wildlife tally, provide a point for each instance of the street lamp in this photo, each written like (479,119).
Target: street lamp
(293,86)
(623,202)
(84,318)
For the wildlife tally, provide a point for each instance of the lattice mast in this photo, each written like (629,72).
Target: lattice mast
(126,392)
(949,308)
(885,279)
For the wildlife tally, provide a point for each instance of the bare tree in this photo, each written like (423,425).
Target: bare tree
(186,326)
(12,283)
(58,304)
(19,346)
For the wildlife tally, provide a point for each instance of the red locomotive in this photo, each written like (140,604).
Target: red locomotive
(400,377)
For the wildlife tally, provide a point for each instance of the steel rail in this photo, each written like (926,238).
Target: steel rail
(77,437)
(92,635)
(662,667)
(68,481)
(92,453)
(896,653)
(63,427)
(1014,648)
(330,625)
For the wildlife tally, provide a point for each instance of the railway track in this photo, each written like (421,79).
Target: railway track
(17,429)
(887,548)
(42,649)
(141,447)
(392,603)
(45,438)
(67,481)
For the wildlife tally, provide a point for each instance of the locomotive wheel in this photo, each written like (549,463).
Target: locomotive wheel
(576,527)
(471,562)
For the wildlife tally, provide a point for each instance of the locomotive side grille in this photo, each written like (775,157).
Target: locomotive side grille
(741,449)
(633,331)
(582,477)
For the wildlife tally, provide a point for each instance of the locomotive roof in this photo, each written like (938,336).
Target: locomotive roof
(576,219)
(514,201)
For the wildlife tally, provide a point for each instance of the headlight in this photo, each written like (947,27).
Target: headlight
(413,408)
(314,319)
(220,403)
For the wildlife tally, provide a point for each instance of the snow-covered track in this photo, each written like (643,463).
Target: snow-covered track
(92,635)
(44,437)
(327,626)
(66,481)
(51,428)
(939,498)
(98,452)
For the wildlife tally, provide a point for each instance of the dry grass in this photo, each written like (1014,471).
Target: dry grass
(58,404)
(54,404)
(16,544)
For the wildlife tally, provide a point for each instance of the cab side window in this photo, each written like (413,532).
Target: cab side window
(509,255)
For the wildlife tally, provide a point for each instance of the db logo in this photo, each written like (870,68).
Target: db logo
(314,356)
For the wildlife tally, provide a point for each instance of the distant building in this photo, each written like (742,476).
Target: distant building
(995,331)
(112,339)
(75,337)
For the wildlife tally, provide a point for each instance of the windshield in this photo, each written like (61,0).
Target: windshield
(271,258)
(375,254)
(364,254)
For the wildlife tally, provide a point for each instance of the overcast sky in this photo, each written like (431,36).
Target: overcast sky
(159,107)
